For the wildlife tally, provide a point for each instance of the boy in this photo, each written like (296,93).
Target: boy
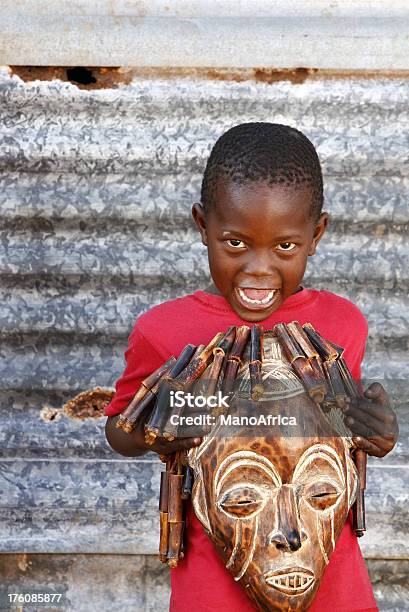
(260,219)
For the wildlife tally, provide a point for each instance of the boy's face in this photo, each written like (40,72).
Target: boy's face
(258,239)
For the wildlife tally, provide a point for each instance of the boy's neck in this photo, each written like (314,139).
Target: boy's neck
(212,289)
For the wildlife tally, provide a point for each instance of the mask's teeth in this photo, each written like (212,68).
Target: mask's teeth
(295,581)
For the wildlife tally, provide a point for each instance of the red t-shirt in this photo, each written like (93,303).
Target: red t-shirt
(201,581)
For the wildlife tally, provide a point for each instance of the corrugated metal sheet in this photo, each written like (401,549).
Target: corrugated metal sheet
(130,583)
(96,189)
(347,35)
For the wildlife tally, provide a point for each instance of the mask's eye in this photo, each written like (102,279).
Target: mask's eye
(241,502)
(286,246)
(235,243)
(321,495)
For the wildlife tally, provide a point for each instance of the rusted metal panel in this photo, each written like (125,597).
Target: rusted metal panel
(360,35)
(96,189)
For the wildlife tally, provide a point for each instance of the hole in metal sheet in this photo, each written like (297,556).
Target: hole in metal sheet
(83,77)
(50,414)
(89,404)
(80,75)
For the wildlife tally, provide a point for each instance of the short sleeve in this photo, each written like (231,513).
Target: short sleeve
(141,360)
(356,368)
(355,349)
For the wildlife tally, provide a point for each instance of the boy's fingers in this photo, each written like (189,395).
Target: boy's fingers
(186,443)
(383,442)
(364,429)
(374,424)
(368,446)
(163,447)
(377,393)
(382,412)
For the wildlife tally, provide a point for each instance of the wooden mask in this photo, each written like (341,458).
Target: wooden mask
(274,498)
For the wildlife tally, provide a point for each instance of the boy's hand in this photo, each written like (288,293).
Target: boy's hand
(373,423)
(164,447)
(133,444)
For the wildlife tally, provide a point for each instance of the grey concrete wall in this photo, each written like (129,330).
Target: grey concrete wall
(95,192)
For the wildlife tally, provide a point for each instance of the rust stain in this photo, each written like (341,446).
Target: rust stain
(296,76)
(97,77)
(88,404)
(50,414)
(90,77)
(380,230)
(265,75)
(23,563)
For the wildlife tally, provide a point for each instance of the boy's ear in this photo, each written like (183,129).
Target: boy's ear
(198,215)
(319,232)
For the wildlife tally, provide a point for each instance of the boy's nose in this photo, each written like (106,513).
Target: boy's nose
(261,266)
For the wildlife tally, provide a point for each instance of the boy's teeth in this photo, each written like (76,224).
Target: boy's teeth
(256,296)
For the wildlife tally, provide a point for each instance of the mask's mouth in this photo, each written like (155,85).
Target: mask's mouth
(256,299)
(291,581)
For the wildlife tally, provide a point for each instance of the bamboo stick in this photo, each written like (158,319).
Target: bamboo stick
(227,341)
(256,358)
(325,349)
(359,505)
(163,513)
(297,332)
(212,378)
(349,382)
(187,482)
(291,349)
(309,374)
(198,365)
(334,377)
(167,429)
(158,418)
(219,354)
(175,519)
(150,397)
(146,386)
(234,358)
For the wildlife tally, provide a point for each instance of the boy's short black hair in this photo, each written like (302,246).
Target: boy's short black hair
(270,152)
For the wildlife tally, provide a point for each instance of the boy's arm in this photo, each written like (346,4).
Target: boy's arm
(133,444)
(141,360)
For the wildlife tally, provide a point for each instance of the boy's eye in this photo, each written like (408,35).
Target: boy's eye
(235,243)
(286,246)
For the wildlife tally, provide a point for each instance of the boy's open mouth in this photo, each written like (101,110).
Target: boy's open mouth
(256,298)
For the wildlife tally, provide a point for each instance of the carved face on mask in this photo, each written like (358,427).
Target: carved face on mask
(275,502)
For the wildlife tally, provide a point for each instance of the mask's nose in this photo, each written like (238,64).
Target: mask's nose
(290,542)
(288,534)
